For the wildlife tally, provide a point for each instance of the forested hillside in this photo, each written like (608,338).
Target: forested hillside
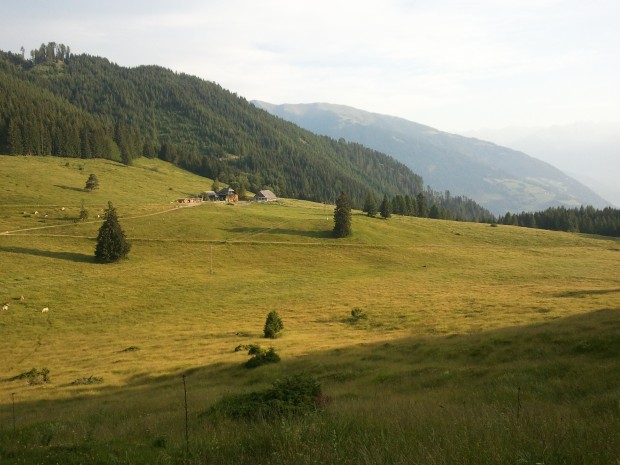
(60,104)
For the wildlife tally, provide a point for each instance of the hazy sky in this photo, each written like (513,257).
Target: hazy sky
(454,65)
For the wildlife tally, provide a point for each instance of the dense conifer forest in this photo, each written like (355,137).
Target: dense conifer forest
(589,220)
(61,104)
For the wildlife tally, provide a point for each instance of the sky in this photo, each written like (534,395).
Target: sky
(454,65)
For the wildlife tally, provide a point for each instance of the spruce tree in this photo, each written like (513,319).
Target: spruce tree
(386,208)
(422,205)
(273,325)
(370,206)
(342,216)
(111,242)
(92,182)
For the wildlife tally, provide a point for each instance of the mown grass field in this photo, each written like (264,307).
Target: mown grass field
(482,344)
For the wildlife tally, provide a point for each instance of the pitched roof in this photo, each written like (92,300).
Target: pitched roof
(226,191)
(266,194)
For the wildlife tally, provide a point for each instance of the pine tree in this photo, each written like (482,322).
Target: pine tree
(92,182)
(370,206)
(273,325)
(385,208)
(422,205)
(342,216)
(111,242)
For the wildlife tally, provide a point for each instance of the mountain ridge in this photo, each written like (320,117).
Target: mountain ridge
(499,178)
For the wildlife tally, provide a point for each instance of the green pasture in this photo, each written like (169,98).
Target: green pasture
(482,344)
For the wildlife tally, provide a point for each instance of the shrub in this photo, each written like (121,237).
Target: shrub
(357,314)
(296,395)
(83,212)
(273,325)
(35,376)
(87,380)
(261,356)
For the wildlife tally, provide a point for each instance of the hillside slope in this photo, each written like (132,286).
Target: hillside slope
(496,177)
(503,342)
(84,106)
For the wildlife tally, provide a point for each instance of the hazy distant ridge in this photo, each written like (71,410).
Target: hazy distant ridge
(499,178)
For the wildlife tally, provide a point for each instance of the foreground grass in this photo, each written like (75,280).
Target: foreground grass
(482,345)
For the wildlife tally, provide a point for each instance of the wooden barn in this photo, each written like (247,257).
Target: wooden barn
(265,196)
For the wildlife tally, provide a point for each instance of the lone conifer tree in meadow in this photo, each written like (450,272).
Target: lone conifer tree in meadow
(111,242)
(342,216)
(92,182)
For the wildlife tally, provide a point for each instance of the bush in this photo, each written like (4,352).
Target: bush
(357,314)
(35,376)
(296,395)
(87,380)
(83,212)
(261,356)
(273,325)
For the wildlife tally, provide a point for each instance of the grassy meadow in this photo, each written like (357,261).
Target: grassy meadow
(483,345)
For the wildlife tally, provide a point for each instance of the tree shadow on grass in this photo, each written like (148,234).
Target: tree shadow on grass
(70,256)
(281,231)
(70,188)
(583,293)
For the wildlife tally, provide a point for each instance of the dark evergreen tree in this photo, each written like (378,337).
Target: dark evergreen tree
(111,242)
(342,216)
(386,208)
(412,206)
(92,182)
(422,205)
(370,206)
(273,325)
(398,205)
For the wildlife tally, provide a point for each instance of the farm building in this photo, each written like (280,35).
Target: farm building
(209,195)
(227,194)
(265,196)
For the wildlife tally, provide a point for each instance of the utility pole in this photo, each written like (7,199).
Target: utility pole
(211,257)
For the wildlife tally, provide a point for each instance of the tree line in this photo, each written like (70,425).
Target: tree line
(428,204)
(588,220)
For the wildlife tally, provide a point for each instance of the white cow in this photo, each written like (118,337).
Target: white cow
(5,307)
(45,310)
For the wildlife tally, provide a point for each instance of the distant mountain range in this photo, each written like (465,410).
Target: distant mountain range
(587,151)
(498,178)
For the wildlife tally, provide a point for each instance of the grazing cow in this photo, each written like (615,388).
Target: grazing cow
(36,212)
(5,306)
(45,310)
